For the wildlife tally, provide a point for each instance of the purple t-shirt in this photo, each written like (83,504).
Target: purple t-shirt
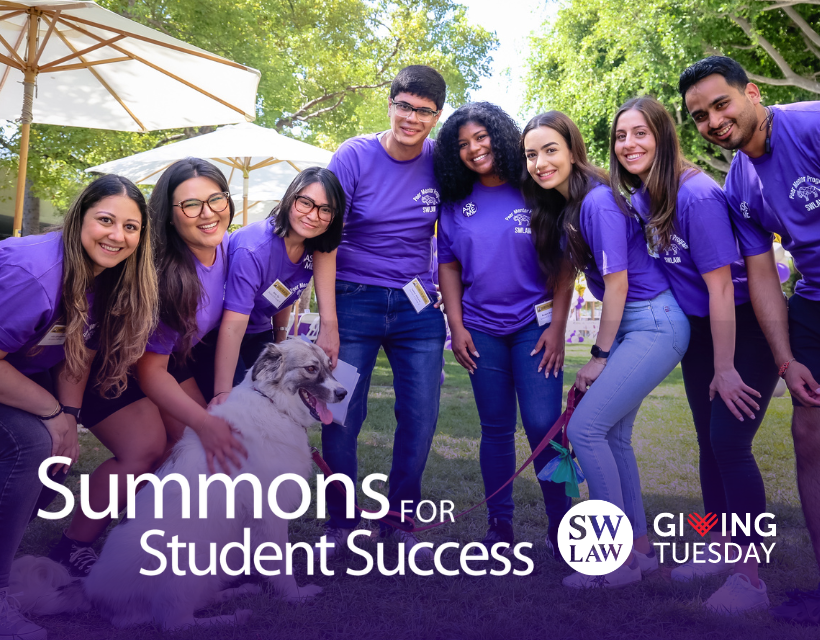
(617,243)
(258,258)
(489,234)
(702,241)
(779,192)
(392,208)
(209,312)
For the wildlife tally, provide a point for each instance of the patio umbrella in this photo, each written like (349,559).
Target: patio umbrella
(94,68)
(258,162)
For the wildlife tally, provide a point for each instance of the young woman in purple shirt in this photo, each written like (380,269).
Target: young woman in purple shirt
(280,250)
(492,283)
(643,333)
(687,223)
(190,211)
(92,276)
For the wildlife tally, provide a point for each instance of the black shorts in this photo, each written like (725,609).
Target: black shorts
(804,334)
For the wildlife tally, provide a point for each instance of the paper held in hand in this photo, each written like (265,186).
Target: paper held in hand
(348,377)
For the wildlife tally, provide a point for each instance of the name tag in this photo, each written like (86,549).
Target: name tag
(277,293)
(543,312)
(54,337)
(416,294)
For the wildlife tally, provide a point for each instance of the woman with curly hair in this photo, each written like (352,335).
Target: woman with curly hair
(87,286)
(507,317)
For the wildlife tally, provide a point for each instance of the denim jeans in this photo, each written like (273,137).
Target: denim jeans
(651,340)
(24,444)
(371,317)
(506,370)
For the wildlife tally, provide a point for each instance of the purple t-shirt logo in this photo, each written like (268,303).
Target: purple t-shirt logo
(522,220)
(806,187)
(469,209)
(429,200)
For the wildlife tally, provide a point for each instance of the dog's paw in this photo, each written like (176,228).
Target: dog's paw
(304,594)
(242,616)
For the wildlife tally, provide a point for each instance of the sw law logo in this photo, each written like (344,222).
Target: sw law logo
(595,537)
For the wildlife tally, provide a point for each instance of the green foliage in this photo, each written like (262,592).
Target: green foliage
(596,54)
(326,67)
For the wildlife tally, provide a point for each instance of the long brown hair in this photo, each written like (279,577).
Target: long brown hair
(125,296)
(180,290)
(664,177)
(552,215)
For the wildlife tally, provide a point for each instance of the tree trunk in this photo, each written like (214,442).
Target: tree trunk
(31,212)
(304,299)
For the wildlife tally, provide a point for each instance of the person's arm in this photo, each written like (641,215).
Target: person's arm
(280,320)
(231,331)
(164,391)
(616,288)
(727,381)
(324,279)
(772,314)
(553,339)
(449,282)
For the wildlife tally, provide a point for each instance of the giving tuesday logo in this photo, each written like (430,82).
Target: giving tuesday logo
(595,537)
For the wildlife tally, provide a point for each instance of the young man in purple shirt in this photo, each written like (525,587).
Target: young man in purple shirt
(385,292)
(773,186)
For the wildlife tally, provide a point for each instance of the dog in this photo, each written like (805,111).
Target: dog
(284,393)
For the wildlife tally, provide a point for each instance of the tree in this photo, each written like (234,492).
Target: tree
(325,68)
(597,54)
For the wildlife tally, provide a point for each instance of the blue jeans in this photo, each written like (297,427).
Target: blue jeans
(371,317)
(505,369)
(24,444)
(651,341)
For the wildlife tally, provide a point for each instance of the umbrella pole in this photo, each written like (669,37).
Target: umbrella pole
(26,117)
(245,201)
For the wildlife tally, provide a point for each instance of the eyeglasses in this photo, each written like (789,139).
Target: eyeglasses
(216,202)
(305,205)
(403,110)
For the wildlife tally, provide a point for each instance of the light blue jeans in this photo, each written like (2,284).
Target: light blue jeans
(651,341)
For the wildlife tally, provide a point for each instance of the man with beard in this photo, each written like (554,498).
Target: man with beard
(773,186)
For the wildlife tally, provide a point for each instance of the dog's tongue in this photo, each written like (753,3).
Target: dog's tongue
(324,413)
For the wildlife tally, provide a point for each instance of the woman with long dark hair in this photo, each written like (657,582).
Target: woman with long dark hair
(643,332)
(507,316)
(88,286)
(687,223)
(270,263)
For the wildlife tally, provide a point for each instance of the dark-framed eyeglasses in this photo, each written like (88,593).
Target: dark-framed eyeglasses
(403,110)
(305,205)
(217,202)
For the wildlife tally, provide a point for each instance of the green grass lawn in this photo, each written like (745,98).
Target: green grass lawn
(530,607)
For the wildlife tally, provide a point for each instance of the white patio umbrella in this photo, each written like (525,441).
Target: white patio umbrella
(94,68)
(258,162)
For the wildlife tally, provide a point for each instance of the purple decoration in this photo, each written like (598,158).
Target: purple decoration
(783,271)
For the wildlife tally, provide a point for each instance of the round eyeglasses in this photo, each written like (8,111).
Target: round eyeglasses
(217,202)
(305,205)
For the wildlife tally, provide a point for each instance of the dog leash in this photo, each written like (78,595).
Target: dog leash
(408,524)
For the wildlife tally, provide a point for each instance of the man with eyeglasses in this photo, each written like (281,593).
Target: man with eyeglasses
(385,291)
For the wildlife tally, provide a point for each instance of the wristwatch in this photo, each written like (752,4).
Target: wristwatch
(597,352)
(72,411)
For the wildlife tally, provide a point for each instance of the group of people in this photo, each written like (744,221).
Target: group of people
(134,317)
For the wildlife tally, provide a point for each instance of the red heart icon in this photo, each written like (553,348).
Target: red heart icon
(702,525)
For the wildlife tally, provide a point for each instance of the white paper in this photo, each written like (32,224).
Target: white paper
(348,376)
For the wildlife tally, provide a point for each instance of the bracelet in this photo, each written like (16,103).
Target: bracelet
(220,393)
(54,413)
(785,367)
(281,328)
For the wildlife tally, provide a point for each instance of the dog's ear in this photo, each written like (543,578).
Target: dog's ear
(269,363)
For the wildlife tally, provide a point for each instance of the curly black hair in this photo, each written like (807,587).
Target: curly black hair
(455,180)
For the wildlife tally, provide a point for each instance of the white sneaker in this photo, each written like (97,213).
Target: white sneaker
(737,595)
(647,563)
(692,571)
(13,625)
(623,576)
(338,537)
(410,540)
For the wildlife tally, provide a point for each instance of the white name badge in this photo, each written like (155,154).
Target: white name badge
(277,293)
(54,337)
(543,312)
(416,294)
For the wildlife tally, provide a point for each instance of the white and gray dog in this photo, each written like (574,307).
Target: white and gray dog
(285,392)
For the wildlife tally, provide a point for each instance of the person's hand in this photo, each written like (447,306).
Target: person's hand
(735,393)
(553,344)
(328,341)
(802,385)
(463,348)
(589,373)
(64,439)
(218,439)
(218,399)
